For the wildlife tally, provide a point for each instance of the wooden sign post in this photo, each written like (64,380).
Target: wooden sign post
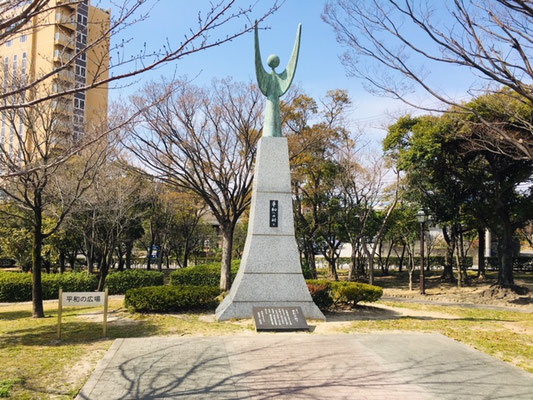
(81,299)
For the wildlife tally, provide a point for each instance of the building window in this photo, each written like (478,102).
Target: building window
(15,67)
(82,19)
(23,38)
(6,73)
(79,104)
(80,70)
(3,138)
(82,38)
(24,64)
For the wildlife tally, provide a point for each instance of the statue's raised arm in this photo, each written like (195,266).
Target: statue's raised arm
(262,75)
(274,85)
(287,76)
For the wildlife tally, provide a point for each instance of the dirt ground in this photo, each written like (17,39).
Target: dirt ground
(477,292)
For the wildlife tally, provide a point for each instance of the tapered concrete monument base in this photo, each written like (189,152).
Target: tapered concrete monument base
(270,273)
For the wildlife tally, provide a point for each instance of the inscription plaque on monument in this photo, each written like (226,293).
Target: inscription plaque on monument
(279,319)
(273,213)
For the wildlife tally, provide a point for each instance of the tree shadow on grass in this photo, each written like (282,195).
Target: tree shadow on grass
(13,315)
(74,333)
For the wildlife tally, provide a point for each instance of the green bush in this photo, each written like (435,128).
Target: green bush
(120,282)
(321,294)
(342,292)
(201,275)
(16,286)
(171,298)
(354,292)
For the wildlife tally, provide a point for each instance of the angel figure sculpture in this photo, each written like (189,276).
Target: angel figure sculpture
(274,85)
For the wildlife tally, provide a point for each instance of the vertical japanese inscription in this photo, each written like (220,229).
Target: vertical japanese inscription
(273,213)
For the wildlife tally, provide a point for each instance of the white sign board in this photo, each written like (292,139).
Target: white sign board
(87,299)
(70,299)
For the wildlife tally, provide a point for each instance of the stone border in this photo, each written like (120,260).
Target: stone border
(89,386)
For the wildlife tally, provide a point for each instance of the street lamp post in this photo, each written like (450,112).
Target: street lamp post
(422,218)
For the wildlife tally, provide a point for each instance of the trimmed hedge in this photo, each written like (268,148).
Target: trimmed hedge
(16,286)
(120,282)
(321,294)
(171,298)
(201,275)
(342,292)
(520,263)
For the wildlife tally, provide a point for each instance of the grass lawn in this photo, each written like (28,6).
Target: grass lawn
(35,365)
(503,334)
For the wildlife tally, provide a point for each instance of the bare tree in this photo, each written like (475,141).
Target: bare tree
(221,22)
(39,133)
(204,141)
(364,192)
(19,17)
(395,44)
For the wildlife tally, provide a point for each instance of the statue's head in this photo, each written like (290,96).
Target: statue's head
(273,61)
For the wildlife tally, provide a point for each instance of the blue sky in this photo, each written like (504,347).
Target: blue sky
(319,67)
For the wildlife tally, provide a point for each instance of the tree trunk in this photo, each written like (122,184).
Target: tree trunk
(62,257)
(37,288)
(505,255)
(72,260)
(410,268)
(108,259)
(332,265)
(160,259)
(360,263)
(380,258)
(401,258)
(481,274)
(129,250)
(149,256)
(312,260)
(387,260)
(227,249)
(353,263)
(447,273)
(120,256)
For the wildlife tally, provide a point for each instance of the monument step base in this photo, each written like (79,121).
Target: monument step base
(238,310)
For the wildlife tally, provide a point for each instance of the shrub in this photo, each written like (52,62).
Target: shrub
(70,282)
(201,275)
(171,298)
(7,263)
(16,286)
(321,294)
(354,292)
(120,282)
(342,292)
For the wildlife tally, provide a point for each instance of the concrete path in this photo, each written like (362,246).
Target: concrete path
(303,366)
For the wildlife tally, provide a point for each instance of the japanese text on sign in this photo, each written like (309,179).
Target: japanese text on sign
(273,213)
(83,299)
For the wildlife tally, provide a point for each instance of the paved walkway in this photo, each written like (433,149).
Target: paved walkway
(303,366)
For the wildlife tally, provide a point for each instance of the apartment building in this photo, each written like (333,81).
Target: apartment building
(68,33)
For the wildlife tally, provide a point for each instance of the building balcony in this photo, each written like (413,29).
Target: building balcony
(63,125)
(64,40)
(62,56)
(63,107)
(66,20)
(68,3)
(65,75)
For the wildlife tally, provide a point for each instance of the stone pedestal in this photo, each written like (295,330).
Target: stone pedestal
(270,272)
